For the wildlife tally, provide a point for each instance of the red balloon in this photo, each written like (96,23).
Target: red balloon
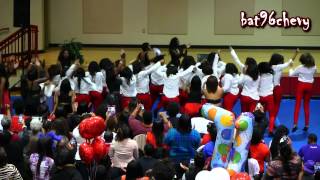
(84,129)
(86,153)
(97,126)
(241,176)
(100,148)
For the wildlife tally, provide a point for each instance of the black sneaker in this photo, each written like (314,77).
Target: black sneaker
(294,129)
(305,128)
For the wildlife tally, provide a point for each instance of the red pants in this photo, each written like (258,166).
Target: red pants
(80,98)
(247,104)
(192,109)
(155,92)
(268,104)
(145,99)
(5,102)
(96,98)
(229,100)
(165,100)
(277,96)
(125,101)
(304,91)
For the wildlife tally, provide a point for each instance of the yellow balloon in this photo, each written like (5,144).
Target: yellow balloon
(226,120)
(212,113)
(238,141)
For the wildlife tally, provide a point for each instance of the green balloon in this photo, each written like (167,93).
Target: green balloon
(236,157)
(223,149)
(243,125)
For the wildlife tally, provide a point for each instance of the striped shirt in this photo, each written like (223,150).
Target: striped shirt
(9,171)
(276,169)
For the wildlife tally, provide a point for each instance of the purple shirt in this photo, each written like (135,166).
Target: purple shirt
(138,127)
(310,152)
(45,167)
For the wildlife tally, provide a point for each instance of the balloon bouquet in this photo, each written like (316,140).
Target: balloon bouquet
(232,141)
(94,149)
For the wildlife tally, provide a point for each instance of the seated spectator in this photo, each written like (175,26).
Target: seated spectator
(194,169)
(173,111)
(287,165)
(182,141)
(134,171)
(13,146)
(310,152)
(209,147)
(65,168)
(163,170)
(258,149)
(7,171)
(16,120)
(41,161)
(274,144)
(147,161)
(122,151)
(193,105)
(156,136)
(137,126)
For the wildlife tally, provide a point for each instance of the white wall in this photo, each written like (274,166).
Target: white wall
(65,22)
(36,18)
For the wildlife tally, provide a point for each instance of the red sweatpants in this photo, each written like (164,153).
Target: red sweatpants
(96,98)
(268,104)
(145,99)
(165,100)
(83,98)
(229,100)
(155,92)
(247,104)
(304,91)
(125,101)
(277,96)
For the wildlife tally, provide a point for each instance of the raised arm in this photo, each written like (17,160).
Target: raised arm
(215,65)
(151,69)
(236,58)
(187,71)
(295,72)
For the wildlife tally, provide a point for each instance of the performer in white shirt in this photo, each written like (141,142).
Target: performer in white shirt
(142,82)
(278,65)
(96,77)
(250,82)
(266,92)
(171,83)
(305,73)
(230,83)
(156,83)
(185,80)
(128,88)
(82,86)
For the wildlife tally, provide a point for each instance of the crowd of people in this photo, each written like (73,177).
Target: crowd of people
(40,139)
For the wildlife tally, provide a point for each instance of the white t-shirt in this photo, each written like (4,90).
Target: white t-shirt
(253,167)
(266,85)
(278,72)
(304,74)
(230,84)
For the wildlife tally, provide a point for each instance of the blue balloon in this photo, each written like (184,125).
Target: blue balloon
(226,134)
